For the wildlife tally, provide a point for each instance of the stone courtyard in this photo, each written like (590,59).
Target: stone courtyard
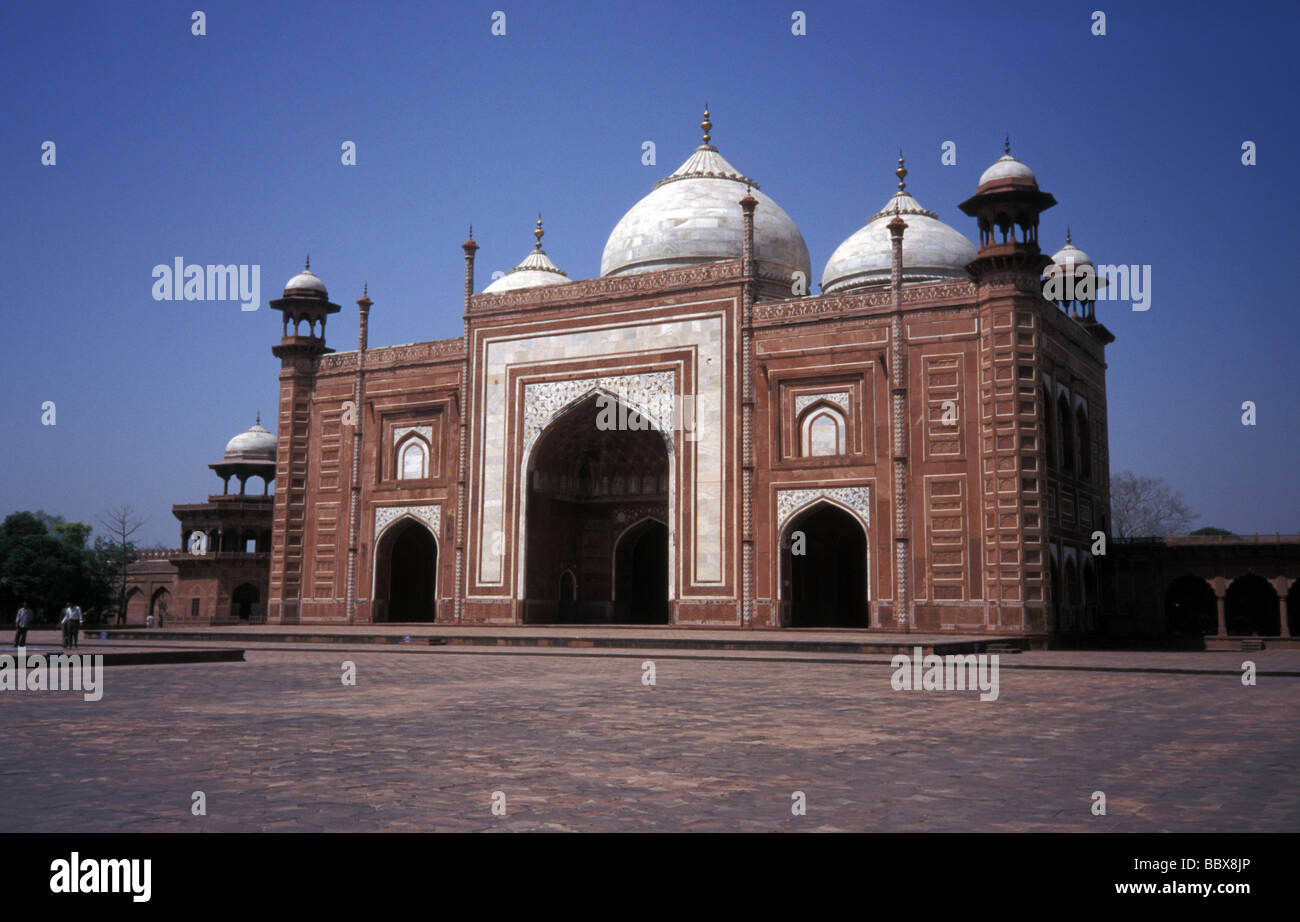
(719,743)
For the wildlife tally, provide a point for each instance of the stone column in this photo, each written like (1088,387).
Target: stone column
(898,427)
(748,203)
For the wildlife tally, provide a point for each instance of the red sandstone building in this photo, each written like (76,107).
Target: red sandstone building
(691,439)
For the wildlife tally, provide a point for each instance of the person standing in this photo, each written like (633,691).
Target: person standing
(21,623)
(75,627)
(64,621)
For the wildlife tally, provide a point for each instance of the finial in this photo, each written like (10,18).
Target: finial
(539,232)
(365,289)
(706,124)
(259,418)
(1067,236)
(901,172)
(307,268)
(1006,144)
(471,232)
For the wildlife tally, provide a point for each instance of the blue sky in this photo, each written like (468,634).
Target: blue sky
(225,148)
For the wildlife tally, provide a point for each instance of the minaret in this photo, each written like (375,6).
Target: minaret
(354,504)
(750,271)
(305,303)
(1008,269)
(462,409)
(900,421)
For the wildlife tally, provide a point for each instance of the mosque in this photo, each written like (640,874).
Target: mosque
(922,446)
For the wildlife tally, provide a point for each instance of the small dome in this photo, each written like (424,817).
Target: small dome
(931,249)
(694,216)
(1070,255)
(254,444)
(536,270)
(306,284)
(1007,169)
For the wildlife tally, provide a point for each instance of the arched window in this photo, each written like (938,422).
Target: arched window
(412,460)
(822,432)
(1065,432)
(1085,443)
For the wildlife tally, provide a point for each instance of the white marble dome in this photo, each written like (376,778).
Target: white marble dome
(536,270)
(1070,255)
(931,250)
(1008,169)
(694,216)
(253,444)
(306,283)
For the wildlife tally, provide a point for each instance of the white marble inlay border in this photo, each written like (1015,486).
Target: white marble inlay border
(425,432)
(788,502)
(803,401)
(649,394)
(429,515)
(706,334)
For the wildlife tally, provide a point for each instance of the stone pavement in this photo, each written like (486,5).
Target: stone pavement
(579,743)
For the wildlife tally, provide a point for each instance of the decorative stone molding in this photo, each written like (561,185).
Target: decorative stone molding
(429,515)
(803,401)
(387,356)
(817,305)
(649,394)
(788,502)
(424,432)
(691,276)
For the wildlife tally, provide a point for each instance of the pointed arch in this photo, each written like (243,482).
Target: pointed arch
(823,430)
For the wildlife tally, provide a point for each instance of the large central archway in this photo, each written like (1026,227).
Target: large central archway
(824,569)
(406,573)
(597,550)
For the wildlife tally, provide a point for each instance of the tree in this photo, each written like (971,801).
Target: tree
(117,553)
(1211,530)
(1145,507)
(44,561)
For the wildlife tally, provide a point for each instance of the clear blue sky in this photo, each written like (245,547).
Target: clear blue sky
(226,149)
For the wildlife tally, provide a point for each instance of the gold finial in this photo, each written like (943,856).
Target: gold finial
(706,124)
(539,232)
(901,172)
(1067,236)
(259,418)
(1006,144)
(307,268)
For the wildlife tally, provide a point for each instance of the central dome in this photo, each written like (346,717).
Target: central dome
(694,216)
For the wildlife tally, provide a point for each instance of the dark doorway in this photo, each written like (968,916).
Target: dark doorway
(1252,607)
(641,574)
(243,603)
(596,469)
(827,583)
(407,574)
(1190,608)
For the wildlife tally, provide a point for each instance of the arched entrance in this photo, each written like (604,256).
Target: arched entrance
(641,574)
(1190,608)
(826,584)
(1251,607)
(406,573)
(160,606)
(243,603)
(588,481)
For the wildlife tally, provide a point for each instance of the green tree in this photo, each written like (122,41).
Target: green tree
(45,562)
